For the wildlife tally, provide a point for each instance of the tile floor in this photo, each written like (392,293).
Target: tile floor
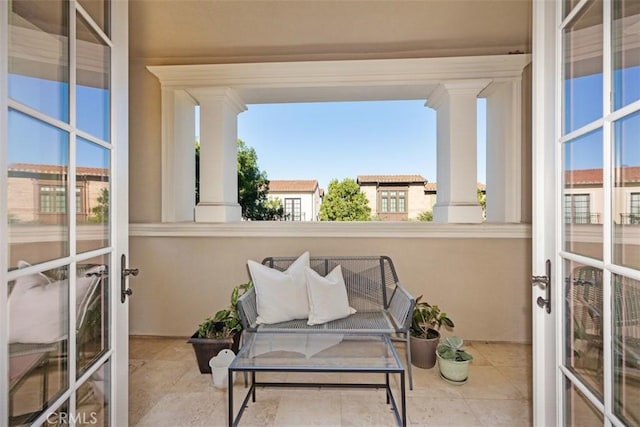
(166,389)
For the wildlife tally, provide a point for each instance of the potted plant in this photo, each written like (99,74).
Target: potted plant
(426,322)
(453,361)
(219,332)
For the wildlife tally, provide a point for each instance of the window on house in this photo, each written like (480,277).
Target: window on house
(293,209)
(577,209)
(634,208)
(53,199)
(393,201)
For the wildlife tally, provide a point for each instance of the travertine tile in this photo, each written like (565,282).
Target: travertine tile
(501,412)
(486,382)
(423,411)
(520,377)
(185,409)
(505,354)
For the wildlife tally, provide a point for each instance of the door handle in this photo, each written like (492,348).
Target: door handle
(124,272)
(545,283)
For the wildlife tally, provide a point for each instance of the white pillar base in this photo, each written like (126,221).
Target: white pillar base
(218,212)
(459,213)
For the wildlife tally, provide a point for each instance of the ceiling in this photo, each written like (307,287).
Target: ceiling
(215,31)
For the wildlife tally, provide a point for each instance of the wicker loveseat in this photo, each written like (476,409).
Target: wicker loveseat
(373,289)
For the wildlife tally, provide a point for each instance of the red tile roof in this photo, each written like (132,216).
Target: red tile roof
(626,174)
(432,186)
(391,179)
(292,186)
(55,169)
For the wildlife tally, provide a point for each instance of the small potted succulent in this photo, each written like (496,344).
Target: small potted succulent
(453,361)
(219,332)
(426,322)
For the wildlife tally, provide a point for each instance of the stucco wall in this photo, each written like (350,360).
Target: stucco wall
(483,284)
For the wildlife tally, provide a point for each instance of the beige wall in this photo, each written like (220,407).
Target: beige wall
(483,284)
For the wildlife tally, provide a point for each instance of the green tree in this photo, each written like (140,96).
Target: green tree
(101,210)
(345,202)
(425,216)
(253,187)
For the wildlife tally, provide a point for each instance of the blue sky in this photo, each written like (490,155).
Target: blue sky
(327,140)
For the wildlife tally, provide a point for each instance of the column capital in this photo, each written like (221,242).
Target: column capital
(440,94)
(228,96)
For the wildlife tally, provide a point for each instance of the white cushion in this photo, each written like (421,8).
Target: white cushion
(328,298)
(38,314)
(281,295)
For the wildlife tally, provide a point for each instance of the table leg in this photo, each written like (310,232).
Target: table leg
(388,387)
(403,397)
(253,384)
(230,395)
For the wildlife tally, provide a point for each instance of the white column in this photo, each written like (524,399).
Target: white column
(455,104)
(178,151)
(504,151)
(219,109)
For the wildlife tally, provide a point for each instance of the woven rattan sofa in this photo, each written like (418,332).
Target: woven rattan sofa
(373,289)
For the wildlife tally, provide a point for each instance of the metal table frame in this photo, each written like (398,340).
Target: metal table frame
(400,415)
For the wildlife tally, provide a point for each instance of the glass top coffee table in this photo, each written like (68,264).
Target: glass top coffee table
(317,352)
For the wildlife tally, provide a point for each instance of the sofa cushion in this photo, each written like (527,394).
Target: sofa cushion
(328,298)
(281,295)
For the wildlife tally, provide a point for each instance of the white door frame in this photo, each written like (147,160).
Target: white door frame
(544,232)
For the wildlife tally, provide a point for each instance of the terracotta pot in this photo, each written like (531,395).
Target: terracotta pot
(206,348)
(423,351)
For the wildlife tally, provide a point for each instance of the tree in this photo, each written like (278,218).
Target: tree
(253,187)
(345,202)
(101,210)
(425,216)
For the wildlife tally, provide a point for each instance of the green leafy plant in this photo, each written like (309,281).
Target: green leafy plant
(427,320)
(452,349)
(226,322)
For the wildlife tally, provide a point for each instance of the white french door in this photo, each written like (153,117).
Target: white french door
(586,59)
(63,212)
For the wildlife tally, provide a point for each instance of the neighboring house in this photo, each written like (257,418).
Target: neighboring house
(36,193)
(400,197)
(301,199)
(396,197)
(584,196)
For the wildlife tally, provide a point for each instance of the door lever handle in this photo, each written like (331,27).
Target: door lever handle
(545,283)
(124,272)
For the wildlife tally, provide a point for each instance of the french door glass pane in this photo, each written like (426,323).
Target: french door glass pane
(92,407)
(626,347)
(626,194)
(583,328)
(626,54)
(39,55)
(38,342)
(37,190)
(583,195)
(92,181)
(567,6)
(93,59)
(580,412)
(582,71)
(99,12)
(92,315)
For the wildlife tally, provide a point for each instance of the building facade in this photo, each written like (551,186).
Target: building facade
(301,199)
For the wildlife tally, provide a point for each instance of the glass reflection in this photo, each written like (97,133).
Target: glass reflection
(582,73)
(583,202)
(93,58)
(626,347)
(39,55)
(92,404)
(626,55)
(92,188)
(36,190)
(626,192)
(99,12)
(92,320)
(583,330)
(579,411)
(38,341)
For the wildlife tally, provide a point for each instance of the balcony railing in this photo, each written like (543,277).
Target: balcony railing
(586,218)
(629,218)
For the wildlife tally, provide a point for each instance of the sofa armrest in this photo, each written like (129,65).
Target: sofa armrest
(248,309)
(401,308)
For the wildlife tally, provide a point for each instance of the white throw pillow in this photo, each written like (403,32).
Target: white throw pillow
(281,295)
(328,298)
(37,313)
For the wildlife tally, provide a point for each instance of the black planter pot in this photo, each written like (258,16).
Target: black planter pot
(206,348)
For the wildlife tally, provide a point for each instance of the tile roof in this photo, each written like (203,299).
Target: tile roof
(627,174)
(391,179)
(292,185)
(56,169)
